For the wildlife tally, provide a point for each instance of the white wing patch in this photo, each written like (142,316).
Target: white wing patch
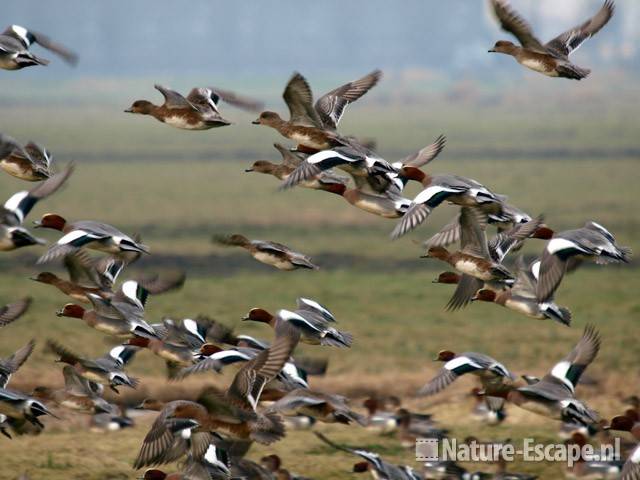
(535,269)
(290,316)
(556,245)
(229,353)
(429,192)
(635,456)
(115,353)
(130,288)
(460,361)
(316,306)
(326,155)
(13,204)
(560,371)
(74,235)
(22,33)
(192,327)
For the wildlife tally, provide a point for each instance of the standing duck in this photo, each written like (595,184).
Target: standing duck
(86,234)
(14,49)
(591,242)
(313,126)
(552,58)
(269,253)
(198,111)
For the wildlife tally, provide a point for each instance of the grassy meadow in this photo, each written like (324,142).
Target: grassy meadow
(177,189)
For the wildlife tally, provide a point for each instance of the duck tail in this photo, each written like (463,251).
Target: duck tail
(305,262)
(335,338)
(625,254)
(559,314)
(31,59)
(573,72)
(268,428)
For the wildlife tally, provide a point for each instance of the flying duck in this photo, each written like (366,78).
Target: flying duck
(14,49)
(552,58)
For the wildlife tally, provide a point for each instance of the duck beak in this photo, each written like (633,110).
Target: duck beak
(491,51)
(37,224)
(128,110)
(256,122)
(59,313)
(248,169)
(245,318)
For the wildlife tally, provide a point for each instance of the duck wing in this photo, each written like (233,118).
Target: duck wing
(464,292)
(174,100)
(298,97)
(13,311)
(11,364)
(330,107)
(426,154)
(570,369)
(447,235)
(473,239)
(512,22)
(246,388)
(239,101)
(40,158)
(566,43)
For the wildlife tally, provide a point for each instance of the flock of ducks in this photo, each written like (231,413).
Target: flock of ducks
(271,391)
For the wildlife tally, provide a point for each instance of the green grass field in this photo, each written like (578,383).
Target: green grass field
(179,188)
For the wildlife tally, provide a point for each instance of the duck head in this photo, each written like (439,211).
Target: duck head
(71,310)
(504,46)
(413,173)
(154,474)
(484,295)
(258,315)
(261,166)
(142,107)
(444,356)
(440,253)
(51,220)
(45,277)
(361,467)
(451,278)
(209,349)
(267,118)
(543,232)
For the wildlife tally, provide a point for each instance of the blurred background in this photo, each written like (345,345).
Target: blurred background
(568,150)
